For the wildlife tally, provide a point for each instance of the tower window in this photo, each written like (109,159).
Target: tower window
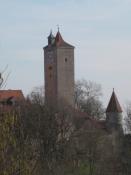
(50,67)
(65,59)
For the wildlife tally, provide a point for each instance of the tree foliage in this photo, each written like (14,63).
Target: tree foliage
(128,117)
(12,160)
(36,139)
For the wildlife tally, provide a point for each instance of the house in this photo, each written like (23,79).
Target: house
(10,99)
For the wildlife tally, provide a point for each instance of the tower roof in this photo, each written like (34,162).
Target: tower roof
(60,42)
(59,38)
(57,41)
(51,35)
(51,38)
(113,105)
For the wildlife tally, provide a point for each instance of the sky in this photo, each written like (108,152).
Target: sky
(100,30)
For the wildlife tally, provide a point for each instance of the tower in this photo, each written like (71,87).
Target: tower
(59,70)
(114,114)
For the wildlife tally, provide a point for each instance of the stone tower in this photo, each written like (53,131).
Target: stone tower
(59,71)
(114,114)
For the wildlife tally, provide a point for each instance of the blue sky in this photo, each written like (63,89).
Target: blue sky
(100,30)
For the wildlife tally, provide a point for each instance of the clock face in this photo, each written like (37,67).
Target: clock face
(50,57)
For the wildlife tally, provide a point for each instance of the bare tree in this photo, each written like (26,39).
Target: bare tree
(128,117)
(87,98)
(1,80)
(4,75)
(46,131)
(37,95)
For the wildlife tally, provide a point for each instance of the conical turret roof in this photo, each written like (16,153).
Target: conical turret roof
(51,35)
(51,38)
(114,105)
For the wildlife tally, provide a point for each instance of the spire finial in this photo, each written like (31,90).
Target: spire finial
(58,27)
(113,89)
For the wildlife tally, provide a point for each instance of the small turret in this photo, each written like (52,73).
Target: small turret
(51,39)
(114,114)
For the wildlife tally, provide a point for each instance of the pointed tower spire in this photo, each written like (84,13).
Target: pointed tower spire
(114,105)
(51,38)
(59,41)
(59,38)
(58,27)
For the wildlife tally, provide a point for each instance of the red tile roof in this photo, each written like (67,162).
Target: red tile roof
(114,105)
(7,99)
(58,38)
(60,42)
(17,94)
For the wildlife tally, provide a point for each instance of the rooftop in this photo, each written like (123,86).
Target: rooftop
(113,105)
(5,94)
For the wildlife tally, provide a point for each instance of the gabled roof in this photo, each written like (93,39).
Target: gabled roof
(6,94)
(114,105)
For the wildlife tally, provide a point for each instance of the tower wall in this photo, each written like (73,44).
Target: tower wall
(50,75)
(114,121)
(65,75)
(59,74)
